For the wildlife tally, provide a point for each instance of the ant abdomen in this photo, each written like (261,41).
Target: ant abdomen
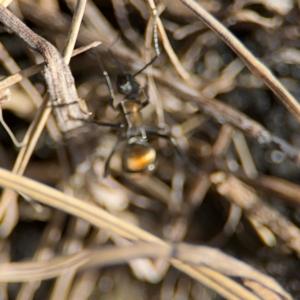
(138,156)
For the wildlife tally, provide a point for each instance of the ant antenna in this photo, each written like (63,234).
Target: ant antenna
(156,46)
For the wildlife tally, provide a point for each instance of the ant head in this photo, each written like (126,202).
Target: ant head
(127,85)
(139,157)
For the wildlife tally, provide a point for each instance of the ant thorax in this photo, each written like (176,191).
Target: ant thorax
(131,110)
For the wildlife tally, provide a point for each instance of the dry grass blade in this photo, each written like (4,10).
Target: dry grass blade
(283,188)
(259,212)
(28,271)
(226,265)
(101,218)
(54,198)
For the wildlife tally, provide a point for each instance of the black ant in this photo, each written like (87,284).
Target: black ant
(138,156)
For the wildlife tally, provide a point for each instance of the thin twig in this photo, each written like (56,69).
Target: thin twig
(74,29)
(15,78)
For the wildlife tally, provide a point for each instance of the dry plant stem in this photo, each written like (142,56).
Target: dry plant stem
(13,79)
(223,141)
(253,64)
(226,81)
(97,22)
(103,219)
(85,281)
(9,197)
(58,200)
(11,66)
(244,154)
(111,255)
(52,6)
(282,188)
(9,132)
(244,196)
(73,33)
(60,81)
(8,208)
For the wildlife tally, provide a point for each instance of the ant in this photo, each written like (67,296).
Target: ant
(138,156)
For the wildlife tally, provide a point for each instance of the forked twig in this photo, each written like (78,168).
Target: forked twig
(58,76)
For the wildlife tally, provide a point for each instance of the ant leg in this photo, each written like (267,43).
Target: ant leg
(111,90)
(155,132)
(108,159)
(82,105)
(118,126)
(146,100)
(108,82)
(179,152)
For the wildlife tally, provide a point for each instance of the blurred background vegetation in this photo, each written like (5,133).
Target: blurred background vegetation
(269,29)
